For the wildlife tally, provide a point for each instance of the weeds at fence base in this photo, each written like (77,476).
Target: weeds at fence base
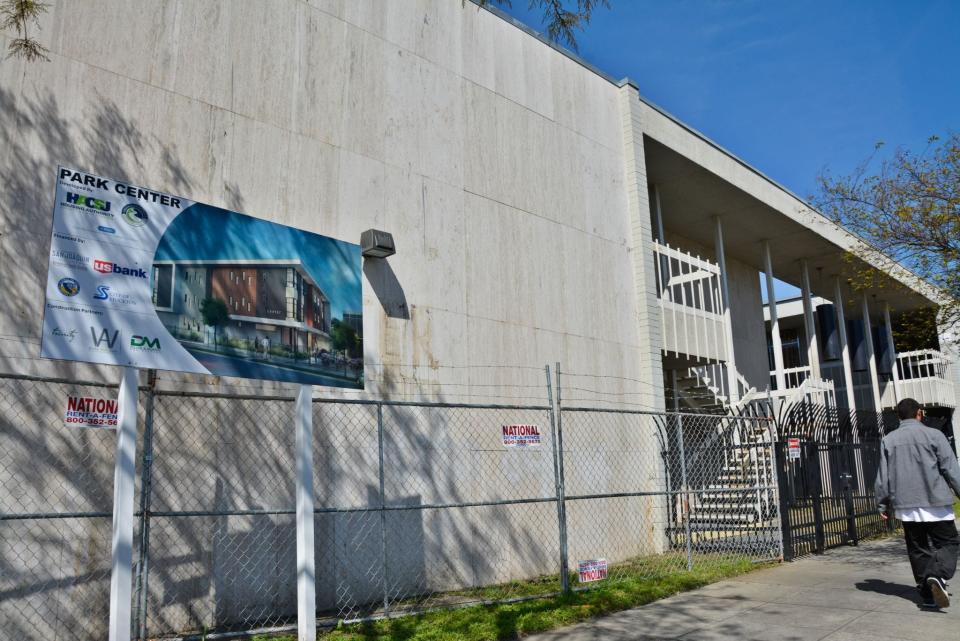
(649,581)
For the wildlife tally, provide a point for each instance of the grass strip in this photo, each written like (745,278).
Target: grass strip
(514,620)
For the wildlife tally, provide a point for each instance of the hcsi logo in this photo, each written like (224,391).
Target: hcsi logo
(143,342)
(107,267)
(88,202)
(66,334)
(104,341)
(133,214)
(68,286)
(102,292)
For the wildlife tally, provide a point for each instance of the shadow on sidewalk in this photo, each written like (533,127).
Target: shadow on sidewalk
(880,586)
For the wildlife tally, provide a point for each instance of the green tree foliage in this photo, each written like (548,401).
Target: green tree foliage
(344,338)
(906,207)
(562,18)
(19,15)
(214,313)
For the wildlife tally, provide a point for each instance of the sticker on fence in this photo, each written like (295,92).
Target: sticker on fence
(793,448)
(521,436)
(592,570)
(86,411)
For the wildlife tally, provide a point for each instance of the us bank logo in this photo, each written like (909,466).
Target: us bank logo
(108,267)
(144,343)
(134,215)
(68,286)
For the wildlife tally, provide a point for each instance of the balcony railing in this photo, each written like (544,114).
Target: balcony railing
(923,377)
(690,303)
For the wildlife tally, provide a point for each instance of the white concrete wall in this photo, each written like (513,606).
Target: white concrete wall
(496,162)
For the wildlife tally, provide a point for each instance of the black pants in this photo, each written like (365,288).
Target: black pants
(932,548)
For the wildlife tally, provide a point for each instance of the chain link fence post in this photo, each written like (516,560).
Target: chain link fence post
(561,492)
(685,489)
(564,577)
(146,468)
(383,512)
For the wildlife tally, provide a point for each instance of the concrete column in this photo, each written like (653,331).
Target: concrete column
(844,346)
(650,339)
(813,346)
(871,355)
(306,571)
(658,216)
(893,352)
(732,381)
(774,322)
(124,473)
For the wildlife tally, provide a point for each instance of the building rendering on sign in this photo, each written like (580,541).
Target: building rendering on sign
(266,301)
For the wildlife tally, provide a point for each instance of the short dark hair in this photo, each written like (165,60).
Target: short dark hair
(907,408)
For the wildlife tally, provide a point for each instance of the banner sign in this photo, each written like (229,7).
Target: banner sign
(520,435)
(85,411)
(142,278)
(793,448)
(592,570)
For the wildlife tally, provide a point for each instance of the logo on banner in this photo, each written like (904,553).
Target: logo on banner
(106,230)
(592,570)
(144,343)
(134,215)
(66,334)
(98,205)
(105,292)
(66,257)
(68,286)
(520,435)
(104,341)
(107,267)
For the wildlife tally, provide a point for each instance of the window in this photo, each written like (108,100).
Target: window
(163,286)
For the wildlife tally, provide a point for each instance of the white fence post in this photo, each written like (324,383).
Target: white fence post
(121,575)
(306,570)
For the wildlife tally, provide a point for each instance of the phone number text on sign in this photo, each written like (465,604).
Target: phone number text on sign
(592,570)
(84,411)
(521,435)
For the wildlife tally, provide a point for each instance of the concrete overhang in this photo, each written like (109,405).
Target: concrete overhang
(698,180)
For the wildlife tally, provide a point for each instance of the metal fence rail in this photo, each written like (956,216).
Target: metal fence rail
(418,506)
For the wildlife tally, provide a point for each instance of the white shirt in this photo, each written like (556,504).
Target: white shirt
(925,514)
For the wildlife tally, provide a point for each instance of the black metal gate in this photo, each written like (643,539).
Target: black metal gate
(826,494)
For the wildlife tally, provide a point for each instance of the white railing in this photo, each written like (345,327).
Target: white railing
(819,391)
(793,377)
(690,304)
(921,363)
(923,377)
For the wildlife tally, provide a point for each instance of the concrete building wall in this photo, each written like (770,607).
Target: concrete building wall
(497,163)
(491,157)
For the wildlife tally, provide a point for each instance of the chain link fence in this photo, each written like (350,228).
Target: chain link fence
(418,506)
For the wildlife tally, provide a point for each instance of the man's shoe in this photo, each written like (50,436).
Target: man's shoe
(928,604)
(939,592)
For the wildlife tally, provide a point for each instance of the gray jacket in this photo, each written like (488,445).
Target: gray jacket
(917,468)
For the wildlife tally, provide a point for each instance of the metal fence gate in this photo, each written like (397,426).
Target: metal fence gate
(827,462)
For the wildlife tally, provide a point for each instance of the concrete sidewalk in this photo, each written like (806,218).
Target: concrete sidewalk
(848,594)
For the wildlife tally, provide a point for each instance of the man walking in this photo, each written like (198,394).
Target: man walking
(917,479)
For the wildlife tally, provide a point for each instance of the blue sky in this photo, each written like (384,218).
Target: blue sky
(790,87)
(202,232)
